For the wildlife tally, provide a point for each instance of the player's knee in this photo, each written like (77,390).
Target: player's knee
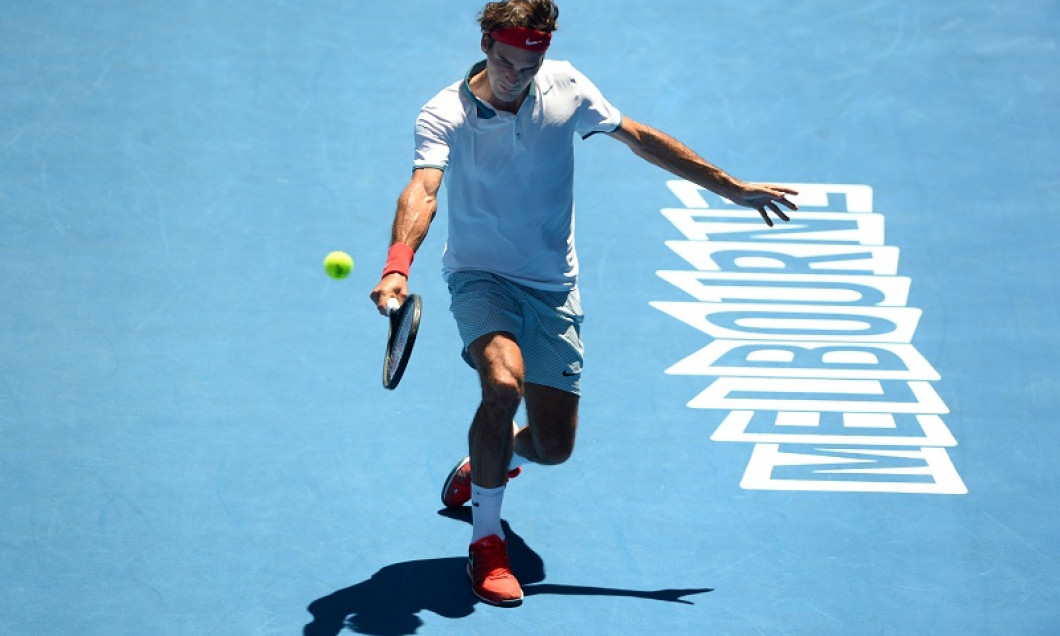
(503,391)
(554,450)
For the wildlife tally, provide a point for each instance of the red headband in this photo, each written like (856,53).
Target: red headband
(524,38)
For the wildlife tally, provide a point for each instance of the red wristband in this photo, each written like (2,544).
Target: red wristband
(398,260)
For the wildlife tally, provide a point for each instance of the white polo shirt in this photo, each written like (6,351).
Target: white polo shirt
(510,177)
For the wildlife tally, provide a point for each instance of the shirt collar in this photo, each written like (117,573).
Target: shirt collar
(484,110)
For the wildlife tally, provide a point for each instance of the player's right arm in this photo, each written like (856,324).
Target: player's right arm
(416,208)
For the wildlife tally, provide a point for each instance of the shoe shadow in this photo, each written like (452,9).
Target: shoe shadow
(389,603)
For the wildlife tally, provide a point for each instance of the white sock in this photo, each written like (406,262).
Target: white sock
(517,459)
(486,512)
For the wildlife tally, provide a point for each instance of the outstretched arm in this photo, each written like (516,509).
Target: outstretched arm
(671,155)
(416,208)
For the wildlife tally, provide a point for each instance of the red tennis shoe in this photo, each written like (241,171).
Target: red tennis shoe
(491,575)
(457,488)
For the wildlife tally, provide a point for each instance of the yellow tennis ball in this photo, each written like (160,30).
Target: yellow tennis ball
(338,264)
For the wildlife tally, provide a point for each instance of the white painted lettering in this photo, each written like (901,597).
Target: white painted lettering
(821,323)
(746,225)
(737,358)
(914,471)
(819,394)
(788,258)
(805,289)
(812,351)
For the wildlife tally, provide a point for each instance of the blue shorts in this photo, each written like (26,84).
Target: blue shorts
(546,324)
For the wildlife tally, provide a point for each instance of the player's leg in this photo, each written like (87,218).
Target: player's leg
(485,307)
(553,355)
(492,316)
(552,422)
(499,362)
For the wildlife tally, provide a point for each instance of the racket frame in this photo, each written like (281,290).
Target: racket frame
(396,312)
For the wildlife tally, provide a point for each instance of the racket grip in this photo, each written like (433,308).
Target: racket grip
(392,304)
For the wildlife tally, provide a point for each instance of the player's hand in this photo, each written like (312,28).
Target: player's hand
(393,285)
(764,197)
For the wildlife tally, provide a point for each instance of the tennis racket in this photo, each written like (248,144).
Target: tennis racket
(404,323)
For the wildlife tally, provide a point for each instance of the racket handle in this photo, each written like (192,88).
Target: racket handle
(392,304)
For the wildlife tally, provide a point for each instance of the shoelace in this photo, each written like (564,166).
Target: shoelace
(490,560)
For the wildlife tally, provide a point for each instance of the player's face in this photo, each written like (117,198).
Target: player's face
(509,69)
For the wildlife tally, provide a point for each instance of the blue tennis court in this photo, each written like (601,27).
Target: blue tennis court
(842,425)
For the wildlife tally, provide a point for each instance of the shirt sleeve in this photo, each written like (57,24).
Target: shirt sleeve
(595,113)
(432,141)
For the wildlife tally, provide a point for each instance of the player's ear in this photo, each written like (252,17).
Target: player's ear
(485,43)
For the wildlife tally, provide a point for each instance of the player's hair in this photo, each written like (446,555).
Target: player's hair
(540,15)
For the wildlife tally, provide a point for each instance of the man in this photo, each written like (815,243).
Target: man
(503,139)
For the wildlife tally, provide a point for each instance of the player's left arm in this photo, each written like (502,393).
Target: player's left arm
(673,156)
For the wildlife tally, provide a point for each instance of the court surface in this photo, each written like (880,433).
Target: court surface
(846,426)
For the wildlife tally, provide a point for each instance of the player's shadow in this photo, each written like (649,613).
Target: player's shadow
(388,604)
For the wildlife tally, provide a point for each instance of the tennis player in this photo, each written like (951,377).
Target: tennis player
(502,139)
